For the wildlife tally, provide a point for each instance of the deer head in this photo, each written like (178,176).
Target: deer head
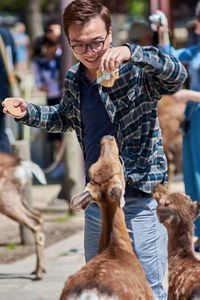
(106,178)
(175,208)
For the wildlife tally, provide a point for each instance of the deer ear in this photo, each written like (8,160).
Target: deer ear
(167,215)
(118,194)
(196,209)
(160,194)
(80,201)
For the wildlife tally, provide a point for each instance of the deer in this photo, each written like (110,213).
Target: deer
(170,116)
(176,211)
(115,272)
(14,176)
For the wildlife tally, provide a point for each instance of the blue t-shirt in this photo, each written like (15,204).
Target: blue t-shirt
(95,121)
(21,47)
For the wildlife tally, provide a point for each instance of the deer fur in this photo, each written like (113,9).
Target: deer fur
(14,176)
(176,212)
(115,273)
(170,115)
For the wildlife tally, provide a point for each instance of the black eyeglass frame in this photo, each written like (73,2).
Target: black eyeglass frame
(89,45)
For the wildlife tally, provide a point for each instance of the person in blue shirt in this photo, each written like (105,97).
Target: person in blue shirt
(21,44)
(191,137)
(128,111)
(46,70)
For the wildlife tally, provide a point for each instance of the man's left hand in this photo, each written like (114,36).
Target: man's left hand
(113,57)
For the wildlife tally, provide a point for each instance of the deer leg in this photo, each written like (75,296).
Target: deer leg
(31,209)
(11,205)
(171,166)
(171,171)
(39,244)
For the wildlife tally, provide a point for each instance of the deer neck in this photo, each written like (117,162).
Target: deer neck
(179,243)
(114,232)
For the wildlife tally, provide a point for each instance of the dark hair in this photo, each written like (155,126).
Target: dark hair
(197,11)
(81,11)
(39,43)
(49,22)
(47,41)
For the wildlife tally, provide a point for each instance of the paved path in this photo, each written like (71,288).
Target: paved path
(62,259)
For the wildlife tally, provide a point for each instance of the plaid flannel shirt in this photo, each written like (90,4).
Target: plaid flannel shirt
(132,107)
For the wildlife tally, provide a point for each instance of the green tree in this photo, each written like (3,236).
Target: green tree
(16,5)
(12,5)
(138,7)
(31,12)
(33,18)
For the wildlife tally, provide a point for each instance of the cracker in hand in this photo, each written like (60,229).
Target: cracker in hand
(15,111)
(107,79)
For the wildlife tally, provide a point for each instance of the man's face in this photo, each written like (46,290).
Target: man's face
(93,31)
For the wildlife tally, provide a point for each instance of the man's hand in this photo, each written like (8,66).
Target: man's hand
(113,57)
(184,95)
(16,102)
(164,22)
(163,30)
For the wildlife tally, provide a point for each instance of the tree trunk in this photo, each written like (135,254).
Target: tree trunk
(73,182)
(34,19)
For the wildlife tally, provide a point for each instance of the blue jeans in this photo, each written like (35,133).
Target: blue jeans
(148,236)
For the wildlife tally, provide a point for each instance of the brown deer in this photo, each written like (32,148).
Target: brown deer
(14,176)
(176,212)
(115,273)
(170,115)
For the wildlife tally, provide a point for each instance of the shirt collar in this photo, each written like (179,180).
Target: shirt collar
(81,70)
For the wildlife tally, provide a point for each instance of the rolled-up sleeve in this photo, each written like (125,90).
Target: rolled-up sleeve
(162,73)
(50,118)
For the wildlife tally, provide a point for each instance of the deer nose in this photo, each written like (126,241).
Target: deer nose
(109,137)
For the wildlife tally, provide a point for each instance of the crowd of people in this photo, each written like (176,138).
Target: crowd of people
(43,61)
(127,110)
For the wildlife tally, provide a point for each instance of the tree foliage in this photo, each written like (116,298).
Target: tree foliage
(138,7)
(16,5)
(12,5)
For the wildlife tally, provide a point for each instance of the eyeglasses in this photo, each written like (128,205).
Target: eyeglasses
(94,46)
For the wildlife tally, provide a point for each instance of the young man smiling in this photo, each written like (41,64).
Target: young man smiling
(128,111)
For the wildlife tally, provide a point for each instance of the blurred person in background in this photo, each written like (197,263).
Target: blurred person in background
(8,43)
(141,34)
(52,31)
(46,69)
(191,124)
(21,44)
(193,38)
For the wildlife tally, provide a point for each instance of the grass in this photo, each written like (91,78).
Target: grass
(11,246)
(63,219)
